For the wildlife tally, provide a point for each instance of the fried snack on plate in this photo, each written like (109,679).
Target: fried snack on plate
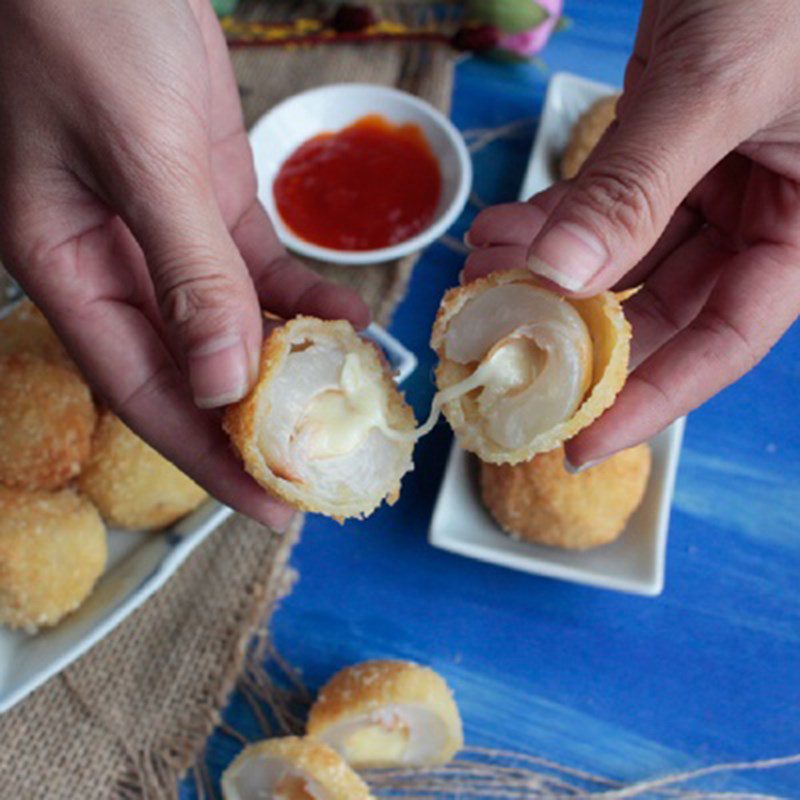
(52,551)
(388,714)
(133,485)
(586,133)
(521,368)
(46,421)
(291,769)
(25,330)
(325,427)
(539,501)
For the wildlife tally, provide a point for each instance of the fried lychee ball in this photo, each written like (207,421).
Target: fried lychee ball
(46,422)
(25,330)
(52,551)
(131,484)
(586,133)
(539,501)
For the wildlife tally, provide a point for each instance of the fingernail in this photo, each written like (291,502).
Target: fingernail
(467,241)
(573,470)
(568,255)
(281,524)
(220,372)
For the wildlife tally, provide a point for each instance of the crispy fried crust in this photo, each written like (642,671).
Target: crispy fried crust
(314,759)
(25,330)
(539,501)
(371,685)
(52,551)
(242,420)
(586,133)
(131,484)
(610,333)
(46,421)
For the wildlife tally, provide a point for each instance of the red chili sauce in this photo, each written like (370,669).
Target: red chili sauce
(370,185)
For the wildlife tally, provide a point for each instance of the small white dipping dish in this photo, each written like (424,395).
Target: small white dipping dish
(330,108)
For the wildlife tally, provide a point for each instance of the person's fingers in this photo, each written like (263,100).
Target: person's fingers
(204,290)
(614,212)
(507,223)
(284,285)
(755,300)
(124,359)
(685,223)
(674,294)
(493,259)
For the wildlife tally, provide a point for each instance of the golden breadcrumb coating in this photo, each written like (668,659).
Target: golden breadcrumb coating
(311,759)
(372,686)
(52,551)
(131,484)
(586,133)
(243,420)
(610,333)
(539,501)
(25,330)
(46,421)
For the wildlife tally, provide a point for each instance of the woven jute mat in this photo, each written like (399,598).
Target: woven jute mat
(131,716)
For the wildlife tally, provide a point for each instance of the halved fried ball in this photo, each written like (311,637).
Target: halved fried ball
(324,428)
(52,551)
(290,768)
(25,330)
(131,484)
(387,713)
(46,421)
(539,501)
(521,368)
(586,133)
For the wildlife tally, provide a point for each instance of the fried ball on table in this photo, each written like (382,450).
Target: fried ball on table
(46,422)
(290,768)
(131,484)
(53,549)
(539,501)
(387,713)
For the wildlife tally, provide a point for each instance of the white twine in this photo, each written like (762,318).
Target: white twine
(278,697)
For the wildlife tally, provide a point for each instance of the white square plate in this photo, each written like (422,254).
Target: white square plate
(139,563)
(635,562)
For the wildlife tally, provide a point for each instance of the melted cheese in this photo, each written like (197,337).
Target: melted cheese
(338,420)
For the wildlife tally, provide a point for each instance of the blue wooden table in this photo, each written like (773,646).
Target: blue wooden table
(623,686)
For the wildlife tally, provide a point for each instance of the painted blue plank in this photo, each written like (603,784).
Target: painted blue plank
(619,685)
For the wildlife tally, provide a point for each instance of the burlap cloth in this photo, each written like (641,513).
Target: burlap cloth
(129,718)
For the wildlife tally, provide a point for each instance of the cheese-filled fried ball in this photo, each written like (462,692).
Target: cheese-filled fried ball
(388,714)
(52,551)
(539,501)
(290,768)
(586,133)
(46,421)
(131,484)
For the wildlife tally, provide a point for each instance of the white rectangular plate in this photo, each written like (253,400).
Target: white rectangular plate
(139,564)
(568,96)
(635,562)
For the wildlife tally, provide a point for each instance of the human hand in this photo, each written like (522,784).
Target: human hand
(128,212)
(695,193)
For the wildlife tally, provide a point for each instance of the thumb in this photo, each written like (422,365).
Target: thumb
(204,290)
(612,214)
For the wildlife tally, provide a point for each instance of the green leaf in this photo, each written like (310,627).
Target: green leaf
(510,16)
(224,7)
